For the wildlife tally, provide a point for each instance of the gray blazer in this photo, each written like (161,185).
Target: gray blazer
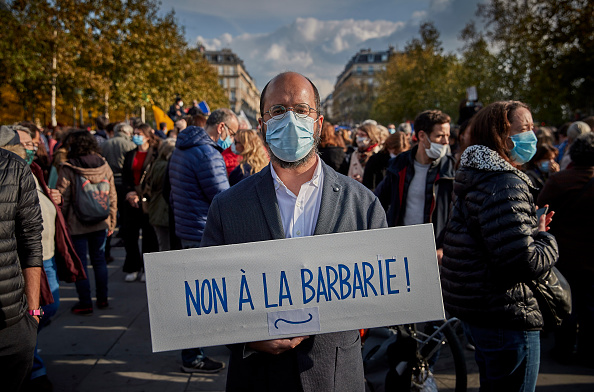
(249,212)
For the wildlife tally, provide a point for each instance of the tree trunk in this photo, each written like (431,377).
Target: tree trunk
(54,77)
(106,102)
(142,114)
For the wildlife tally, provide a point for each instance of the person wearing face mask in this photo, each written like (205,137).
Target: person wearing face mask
(230,154)
(197,173)
(541,166)
(418,184)
(494,243)
(368,144)
(296,195)
(134,213)
(176,110)
(375,169)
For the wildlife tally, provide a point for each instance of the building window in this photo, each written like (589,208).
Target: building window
(370,58)
(232,95)
(359,70)
(370,70)
(221,82)
(232,82)
(384,57)
(221,70)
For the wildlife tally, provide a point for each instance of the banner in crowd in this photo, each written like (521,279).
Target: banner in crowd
(292,287)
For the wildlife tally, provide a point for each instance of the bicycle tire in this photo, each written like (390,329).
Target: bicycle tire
(442,368)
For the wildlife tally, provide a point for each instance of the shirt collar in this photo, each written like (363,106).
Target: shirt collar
(315,180)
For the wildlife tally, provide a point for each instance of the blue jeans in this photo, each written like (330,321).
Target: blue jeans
(94,243)
(49,266)
(508,360)
(190,355)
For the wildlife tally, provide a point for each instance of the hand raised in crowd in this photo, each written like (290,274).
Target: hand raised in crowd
(545,220)
(276,346)
(132,198)
(553,167)
(439,255)
(56,196)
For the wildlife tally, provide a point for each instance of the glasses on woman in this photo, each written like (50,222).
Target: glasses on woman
(301,110)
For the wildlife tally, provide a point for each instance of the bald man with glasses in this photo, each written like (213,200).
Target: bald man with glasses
(297,195)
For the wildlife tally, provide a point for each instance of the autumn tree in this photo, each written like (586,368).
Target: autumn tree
(419,78)
(110,54)
(546,53)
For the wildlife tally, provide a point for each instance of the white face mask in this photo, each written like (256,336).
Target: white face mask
(436,150)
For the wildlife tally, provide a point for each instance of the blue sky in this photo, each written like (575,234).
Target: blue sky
(314,37)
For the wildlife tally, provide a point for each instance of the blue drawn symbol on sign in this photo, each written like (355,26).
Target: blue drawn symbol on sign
(293,322)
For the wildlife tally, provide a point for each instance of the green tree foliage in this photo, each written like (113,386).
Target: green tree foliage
(545,53)
(480,67)
(419,78)
(115,52)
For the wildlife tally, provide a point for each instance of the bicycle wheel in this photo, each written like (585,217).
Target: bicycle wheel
(448,364)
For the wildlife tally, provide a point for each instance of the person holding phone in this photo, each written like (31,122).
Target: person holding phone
(494,244)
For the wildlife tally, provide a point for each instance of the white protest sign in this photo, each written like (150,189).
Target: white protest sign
(292,287)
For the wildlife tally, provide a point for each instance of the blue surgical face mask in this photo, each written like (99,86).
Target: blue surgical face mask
(290,138)
(524,147)
(234,149)
(544,166)
(225,144)
(138,140)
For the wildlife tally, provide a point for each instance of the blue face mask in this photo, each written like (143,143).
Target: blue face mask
(290,138)
(544,166)
(138,140)
(234,149)
(524,147)
(225,144)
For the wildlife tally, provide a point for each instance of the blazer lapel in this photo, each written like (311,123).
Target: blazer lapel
(330,205)
(269,204)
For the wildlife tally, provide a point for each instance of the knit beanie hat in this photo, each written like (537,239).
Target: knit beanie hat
(8,136)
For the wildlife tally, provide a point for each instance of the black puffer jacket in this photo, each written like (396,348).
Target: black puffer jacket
(20,218)
(492,245)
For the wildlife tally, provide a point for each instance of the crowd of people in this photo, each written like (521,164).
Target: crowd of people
(216,179)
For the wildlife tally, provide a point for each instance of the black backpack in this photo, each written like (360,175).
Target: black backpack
(91,201)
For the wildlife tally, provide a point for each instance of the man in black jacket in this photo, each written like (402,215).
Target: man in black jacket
(20,264)
(418,184)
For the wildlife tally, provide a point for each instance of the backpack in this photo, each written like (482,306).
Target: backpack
(91,201)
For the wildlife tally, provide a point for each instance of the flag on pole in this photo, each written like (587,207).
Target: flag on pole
(160,117)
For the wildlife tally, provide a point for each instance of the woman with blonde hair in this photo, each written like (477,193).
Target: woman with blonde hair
(254,158)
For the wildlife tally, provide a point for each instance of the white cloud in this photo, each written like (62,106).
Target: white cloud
(419,15)
(318,49)
(440,5)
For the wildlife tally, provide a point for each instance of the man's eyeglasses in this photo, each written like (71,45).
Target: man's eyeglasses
(30,145)
(232,133)
(301,110)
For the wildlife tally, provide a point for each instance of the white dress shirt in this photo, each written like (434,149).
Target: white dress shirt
(299,213)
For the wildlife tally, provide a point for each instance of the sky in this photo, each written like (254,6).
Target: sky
(314,37)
